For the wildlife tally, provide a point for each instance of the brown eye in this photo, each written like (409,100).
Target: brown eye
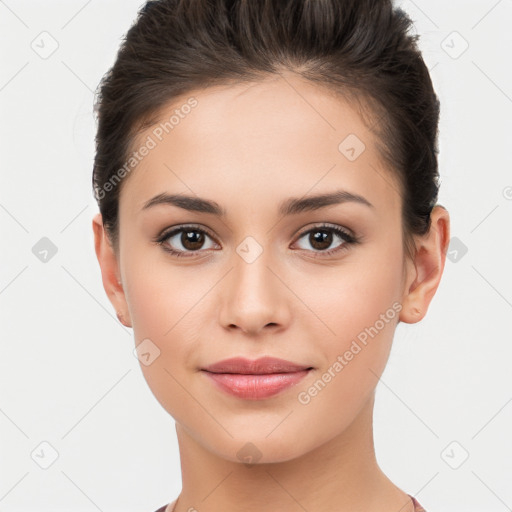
(322,237)
(184,240)
(192,240)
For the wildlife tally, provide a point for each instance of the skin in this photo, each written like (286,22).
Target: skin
(248,147)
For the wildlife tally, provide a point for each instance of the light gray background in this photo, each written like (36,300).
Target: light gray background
(68,375)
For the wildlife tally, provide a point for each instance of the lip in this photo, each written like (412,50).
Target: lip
(255,379)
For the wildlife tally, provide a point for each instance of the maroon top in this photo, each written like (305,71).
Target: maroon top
(417,506)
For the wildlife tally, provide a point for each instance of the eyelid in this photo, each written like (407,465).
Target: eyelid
(327,225)
(167,232)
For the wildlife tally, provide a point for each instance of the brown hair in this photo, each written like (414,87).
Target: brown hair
(358,48)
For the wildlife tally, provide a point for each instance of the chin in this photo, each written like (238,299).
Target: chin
(255,449)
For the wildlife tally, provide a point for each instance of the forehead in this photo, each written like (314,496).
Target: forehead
(271,139)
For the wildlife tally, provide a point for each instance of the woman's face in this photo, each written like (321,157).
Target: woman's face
(259,280)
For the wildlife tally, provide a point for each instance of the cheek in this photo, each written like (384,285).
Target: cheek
(162,312)
(164,330)
(362,310)
(354,357)
(154,292)
(163,306)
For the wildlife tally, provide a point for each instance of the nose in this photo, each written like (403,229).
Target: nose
(254,297)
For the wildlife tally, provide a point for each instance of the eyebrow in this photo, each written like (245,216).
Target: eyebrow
(291,206)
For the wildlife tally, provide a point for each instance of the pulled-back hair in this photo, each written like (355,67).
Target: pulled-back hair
(360,49)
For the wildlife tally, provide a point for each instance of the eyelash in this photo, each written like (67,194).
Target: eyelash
(348,239)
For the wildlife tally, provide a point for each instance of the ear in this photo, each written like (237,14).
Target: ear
(110,273)
(424,273)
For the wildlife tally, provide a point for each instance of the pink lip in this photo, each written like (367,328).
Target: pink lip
(254,380)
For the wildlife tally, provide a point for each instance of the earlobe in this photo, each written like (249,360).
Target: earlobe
(425,275)
(110,272)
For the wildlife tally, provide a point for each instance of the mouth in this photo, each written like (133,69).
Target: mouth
(255,380)
(261,366)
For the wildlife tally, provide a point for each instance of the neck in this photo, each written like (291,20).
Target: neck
(341,474)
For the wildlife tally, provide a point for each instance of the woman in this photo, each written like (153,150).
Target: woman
(267,179)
